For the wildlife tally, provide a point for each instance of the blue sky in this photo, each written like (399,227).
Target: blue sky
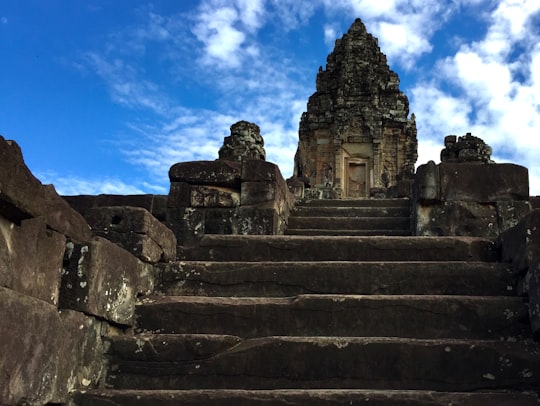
(104,96)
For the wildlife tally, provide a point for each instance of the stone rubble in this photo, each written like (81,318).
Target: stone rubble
(467,148)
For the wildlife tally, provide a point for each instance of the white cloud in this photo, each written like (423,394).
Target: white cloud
(74,185)
(438,114)
(403,42)
(330,35)
(497,97)
(225,27)
(404,27)
(251,13)
(125,85)
(291,13)
(221,39)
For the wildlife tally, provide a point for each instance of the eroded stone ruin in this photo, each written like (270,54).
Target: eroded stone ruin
(356,138)
(467,148)
(229,290)
(245,142)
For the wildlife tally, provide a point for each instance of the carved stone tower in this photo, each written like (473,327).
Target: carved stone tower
(356,139)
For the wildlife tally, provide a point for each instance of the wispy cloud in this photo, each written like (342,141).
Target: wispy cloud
(75,185)
(404,27)
(498,95)
(126,86)
(217,47)
(262,87)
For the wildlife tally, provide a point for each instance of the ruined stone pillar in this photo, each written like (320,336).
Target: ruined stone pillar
(467,193)
(239,193)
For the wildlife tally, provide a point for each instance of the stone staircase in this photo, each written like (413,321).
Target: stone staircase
(351,217)
(327,320)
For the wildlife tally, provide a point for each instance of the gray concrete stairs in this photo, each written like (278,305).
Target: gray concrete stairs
(362,217)
(327,320)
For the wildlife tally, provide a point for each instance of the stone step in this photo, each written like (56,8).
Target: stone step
(404,203)
(362,278)
(427,316)
(299,397)
(343,233)
(315,211)
(350,223)
(257,248)
(217,362)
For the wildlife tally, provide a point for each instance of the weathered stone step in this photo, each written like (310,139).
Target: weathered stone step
(338,315)
(354,203)
(257,248)
(299,397)
(208,362)
(350,223)
(315,211)
(362,278)
(360,233)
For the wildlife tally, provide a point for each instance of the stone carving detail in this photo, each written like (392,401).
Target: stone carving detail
(467,148)
(356,126)
(245,142)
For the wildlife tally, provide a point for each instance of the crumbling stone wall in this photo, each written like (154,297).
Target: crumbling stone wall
(356,139)
(467,194)
(62,289)
(239,193)
(520,246)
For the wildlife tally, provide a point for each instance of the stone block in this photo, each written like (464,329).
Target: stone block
(44,354)
(535,202)
(313,193)
(31,258)
(261,171)
(520,244)
(403,188)
(457,218)
(82,364)
(426,186)
(257,221)
(221,221)
(256,193)
(140,245)
(155,204)
(214,173)
(186,223)
(102,279)
(214,196)
(30,348)
(511,212)
(123,225)
(179,195)
(23,196)
(532,282)
(296,187)
(483,183)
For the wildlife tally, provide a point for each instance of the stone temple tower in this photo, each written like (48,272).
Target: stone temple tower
(356,139)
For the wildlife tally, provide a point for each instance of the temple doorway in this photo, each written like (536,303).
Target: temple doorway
(357,178)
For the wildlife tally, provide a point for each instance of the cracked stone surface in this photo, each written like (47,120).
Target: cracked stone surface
(297,397)
(334,362)
(345,277)
(425,316)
